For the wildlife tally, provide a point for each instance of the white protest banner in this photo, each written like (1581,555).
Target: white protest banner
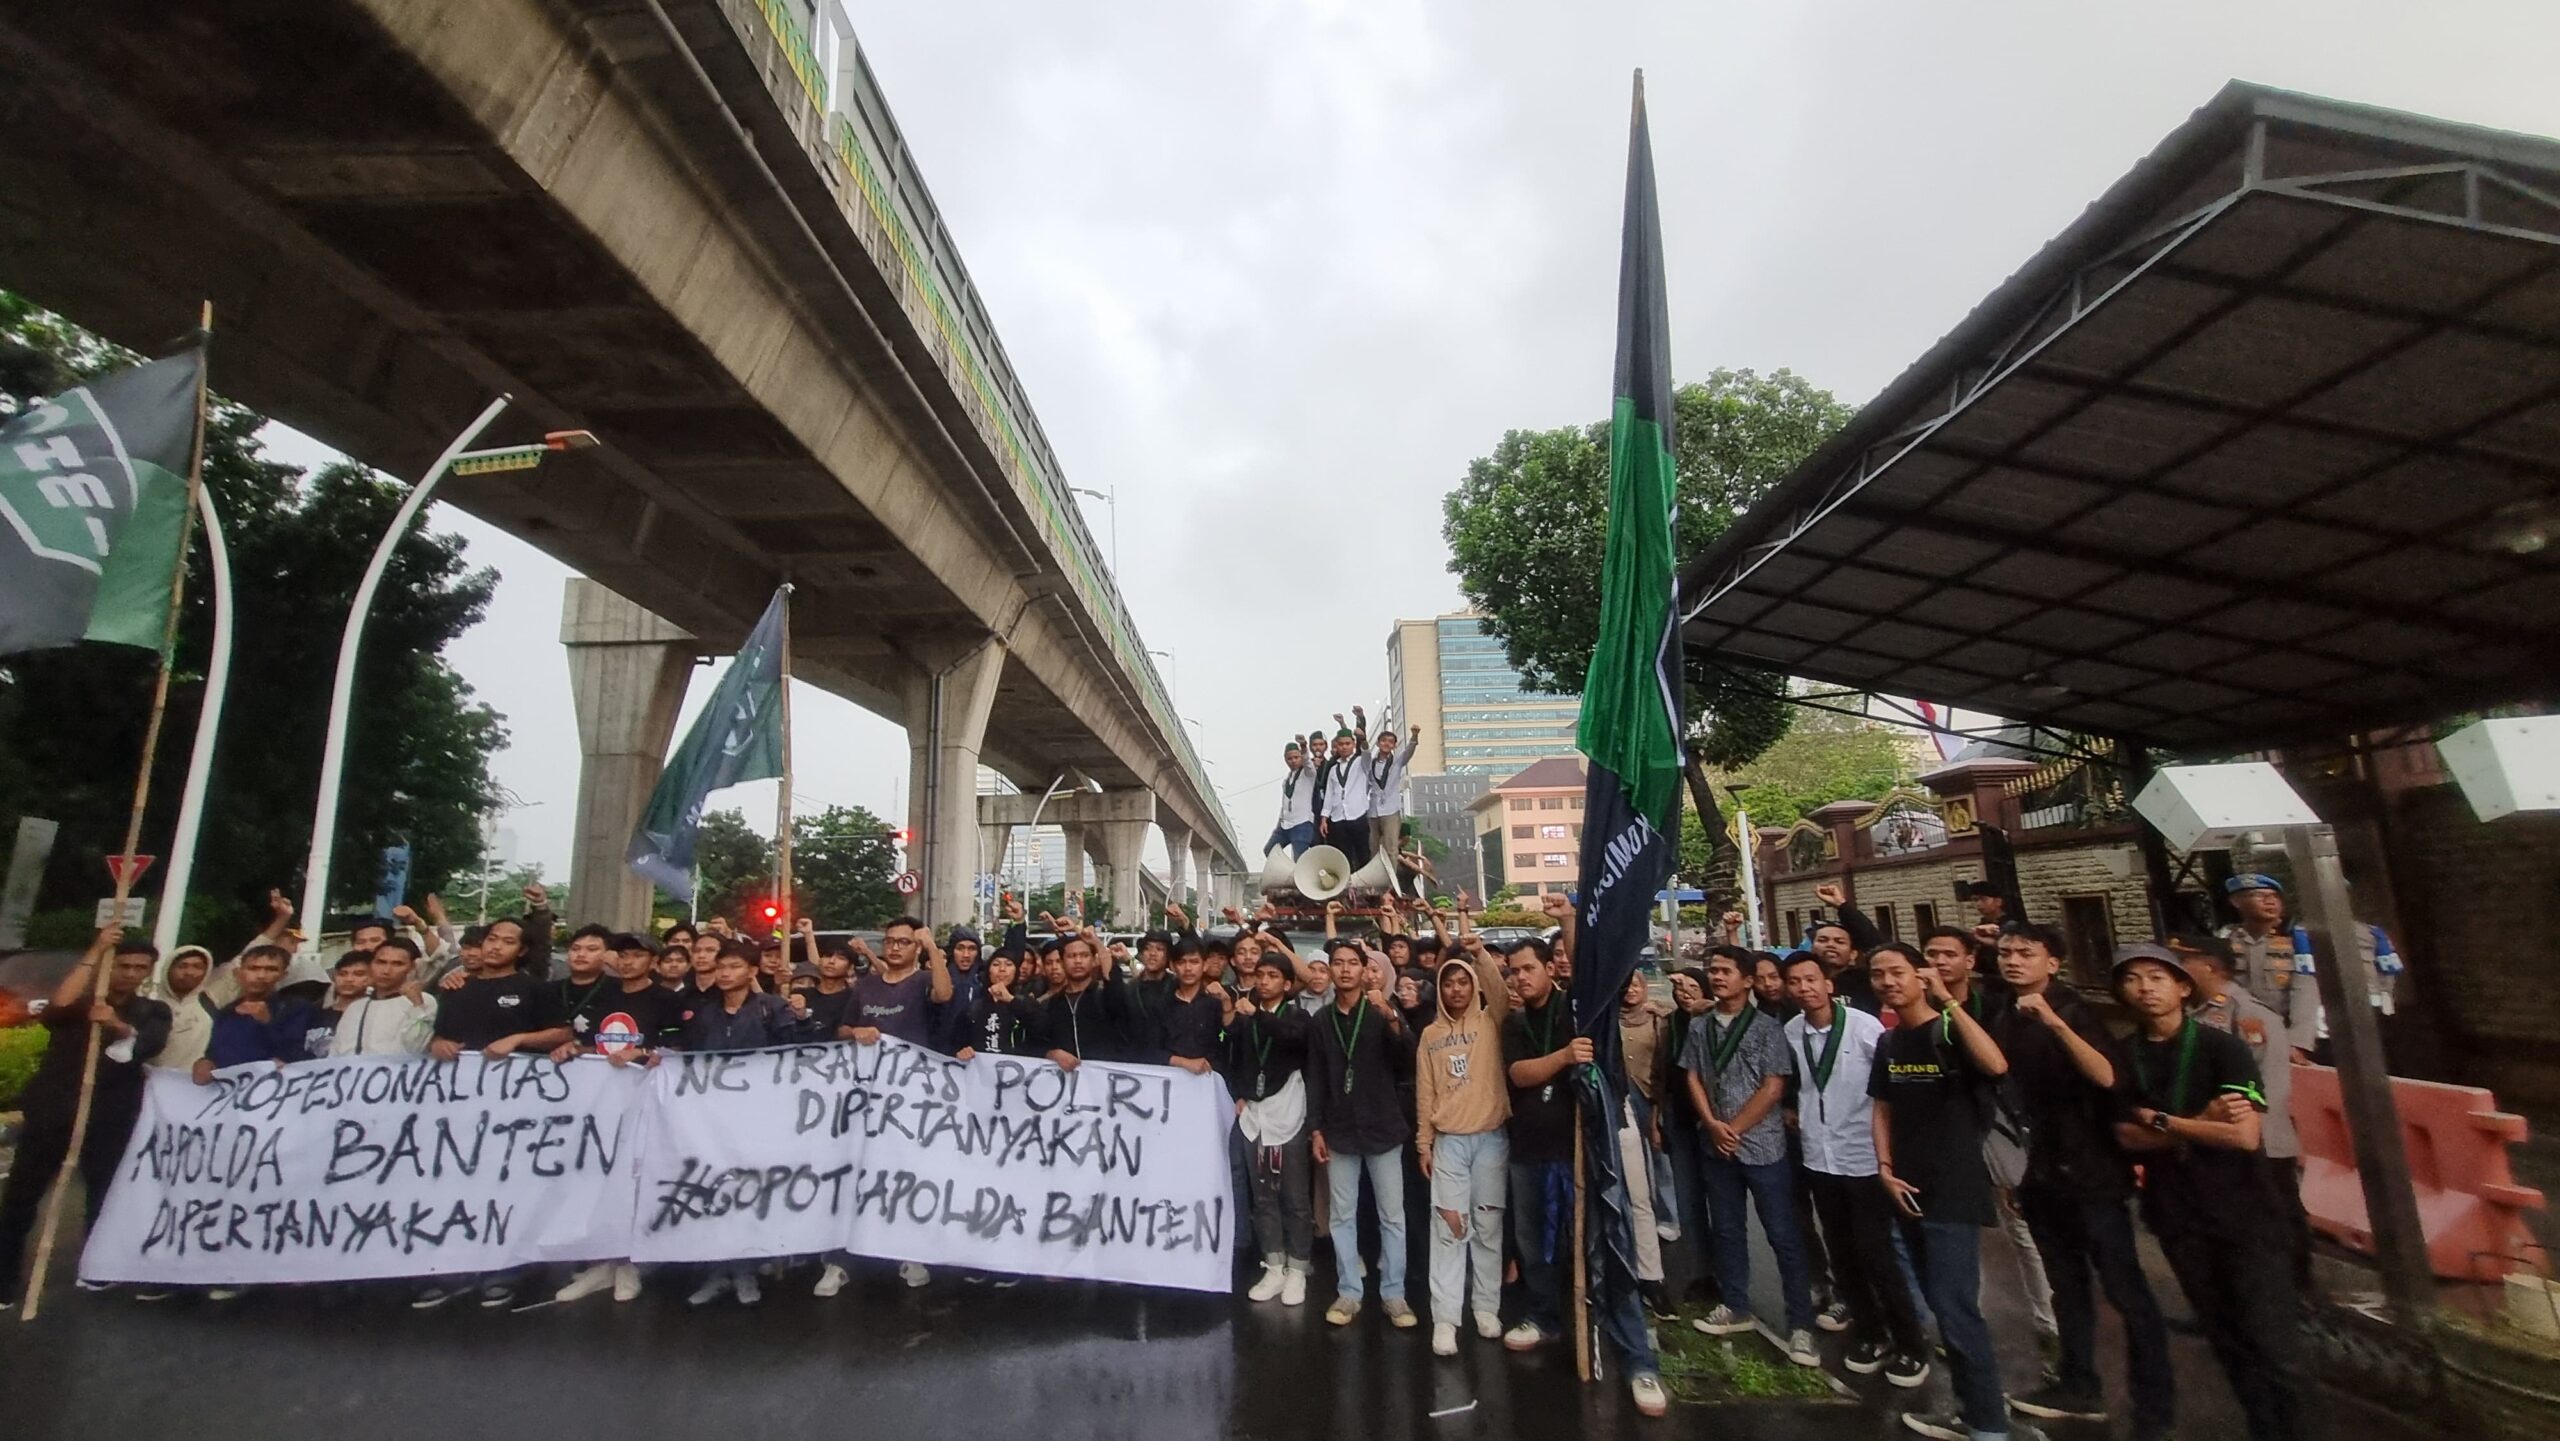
(364,1166)
(1112,1173)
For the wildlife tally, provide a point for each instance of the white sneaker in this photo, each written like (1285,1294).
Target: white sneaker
(1444,1339)
(587,1282)
(913,1274)
(1647,1389)
(1274,1276)
(750,1290)
(1667,1230)
(1293,1288)
(1525,1337)
(831,1280)
(1343,1310)
(626,1281)
(1489,1325)
(1801,1350)
(713,1287)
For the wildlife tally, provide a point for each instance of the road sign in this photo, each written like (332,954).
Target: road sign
(986,885)
(908,883)
(136,913)
(115,869)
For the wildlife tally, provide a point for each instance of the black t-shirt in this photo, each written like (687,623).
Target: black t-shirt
(1190,1028)
(2194,1187)
(584,1003)
(827,1012)
(2071,1146)
(1541,1115)
(1941,1108)
(489,1008)
(893,1008)
(614,1019)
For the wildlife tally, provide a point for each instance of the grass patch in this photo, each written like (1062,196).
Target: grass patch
(1699,1368)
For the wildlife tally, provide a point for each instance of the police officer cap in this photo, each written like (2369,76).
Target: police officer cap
(2252,881)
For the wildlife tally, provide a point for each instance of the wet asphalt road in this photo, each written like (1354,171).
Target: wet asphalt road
(1058,1361)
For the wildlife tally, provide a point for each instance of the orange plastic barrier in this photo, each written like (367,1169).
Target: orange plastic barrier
(2456,1138)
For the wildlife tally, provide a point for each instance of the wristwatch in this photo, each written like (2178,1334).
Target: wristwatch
(2160,1122)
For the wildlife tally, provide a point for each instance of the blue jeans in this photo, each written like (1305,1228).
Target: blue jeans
(1468,1175)
(1771,1188)
(1543,1235)
(1948,1256)
(1297,838)
(1342,1218)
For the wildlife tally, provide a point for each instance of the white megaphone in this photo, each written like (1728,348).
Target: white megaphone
(1322,873)
(1278,870)
(1378,875)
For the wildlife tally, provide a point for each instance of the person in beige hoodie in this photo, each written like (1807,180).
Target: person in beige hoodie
(1461,1102)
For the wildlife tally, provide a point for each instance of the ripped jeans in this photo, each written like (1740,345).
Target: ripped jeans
(1469,1175)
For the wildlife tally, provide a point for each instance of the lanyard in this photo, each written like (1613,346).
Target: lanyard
(1546,1026)
(581,1003)
(1830,1049)
(2186,1062)
(1359,1018)
(1720,1050)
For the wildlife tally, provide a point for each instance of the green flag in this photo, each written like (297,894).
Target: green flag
(93,493)
(738,737)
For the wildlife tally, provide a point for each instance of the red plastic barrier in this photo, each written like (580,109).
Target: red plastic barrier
(2456,1139)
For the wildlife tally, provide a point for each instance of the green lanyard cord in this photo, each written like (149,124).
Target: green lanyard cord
(2177,1098)
(1359,1018)
(1720,1051)
(1830,1050)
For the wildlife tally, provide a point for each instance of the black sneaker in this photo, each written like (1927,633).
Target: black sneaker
(432,1297)
(497,1295)
(1906,1371)
(1939,1425)
(2061,1403)
(1657,1301)
(1865,1358)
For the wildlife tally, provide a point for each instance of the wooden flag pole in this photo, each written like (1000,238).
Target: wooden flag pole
(1581,1268)
(132,843)
(784,910)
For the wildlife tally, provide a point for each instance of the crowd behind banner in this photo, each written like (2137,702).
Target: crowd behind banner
(1875,1104)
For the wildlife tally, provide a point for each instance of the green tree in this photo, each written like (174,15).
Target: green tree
(735,864)
(1824,758)
(506,895)
(1528,525)
(843,866)
(419,743)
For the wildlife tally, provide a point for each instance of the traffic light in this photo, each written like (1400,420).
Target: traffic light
(770,912)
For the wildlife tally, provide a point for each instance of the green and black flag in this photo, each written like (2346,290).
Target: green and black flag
(93,493)
(1630,729)
(738,737)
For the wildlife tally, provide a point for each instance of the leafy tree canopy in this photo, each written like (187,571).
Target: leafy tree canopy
(1528,525)
(419,744)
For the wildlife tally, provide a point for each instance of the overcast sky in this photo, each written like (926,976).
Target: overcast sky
(1261,259)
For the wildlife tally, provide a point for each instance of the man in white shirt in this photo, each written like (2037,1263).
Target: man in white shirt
(1387,766)
(395,1017)
(1297,826)
(1835,1051)
(1344,820)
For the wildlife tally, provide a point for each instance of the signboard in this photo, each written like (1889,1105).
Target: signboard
(908,883)
(115,870)
(136,914)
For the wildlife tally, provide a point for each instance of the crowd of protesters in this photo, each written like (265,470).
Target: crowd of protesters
(1872,1104)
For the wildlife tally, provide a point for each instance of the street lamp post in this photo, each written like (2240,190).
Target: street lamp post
(1173,668)
(333,755)
(1110,498)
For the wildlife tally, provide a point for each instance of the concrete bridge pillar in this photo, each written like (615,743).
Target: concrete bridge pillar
(1074,834)
(947,710)
(627,674)
(1124,845)
(1177,860)
(1204,862)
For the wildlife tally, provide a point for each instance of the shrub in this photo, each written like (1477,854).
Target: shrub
(20,1048)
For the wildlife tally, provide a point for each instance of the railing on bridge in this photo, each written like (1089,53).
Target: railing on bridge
(865,137)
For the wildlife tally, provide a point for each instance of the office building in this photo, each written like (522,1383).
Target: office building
(1529,829)
(1450,677)
(1440,807)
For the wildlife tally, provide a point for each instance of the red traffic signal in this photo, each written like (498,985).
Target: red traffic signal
(770,911)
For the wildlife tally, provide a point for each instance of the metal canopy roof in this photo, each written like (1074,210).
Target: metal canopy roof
(2264,446)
